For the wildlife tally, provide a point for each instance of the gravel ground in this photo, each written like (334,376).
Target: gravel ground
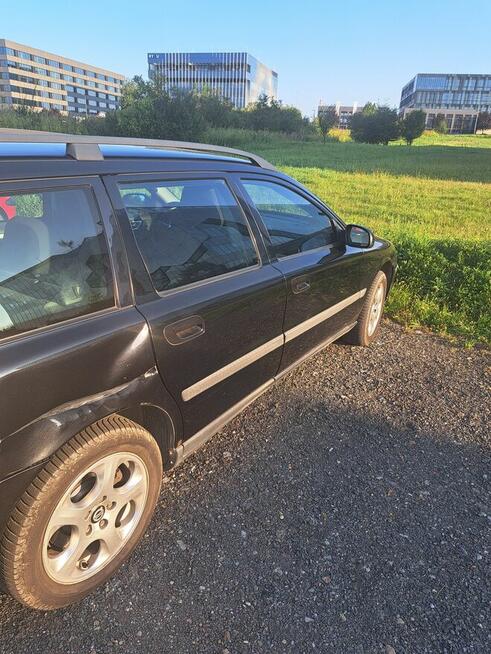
(345,511)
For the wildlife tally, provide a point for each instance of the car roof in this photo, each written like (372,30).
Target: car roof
(59,151)
(16,144)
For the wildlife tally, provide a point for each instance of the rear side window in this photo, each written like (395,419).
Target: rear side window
(54,262)
(188,231)
(294,223)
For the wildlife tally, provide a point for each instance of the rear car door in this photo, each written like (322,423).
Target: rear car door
(213,302)
(68,327)
(307,244)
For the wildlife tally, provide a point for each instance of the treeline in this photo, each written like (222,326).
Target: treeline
(147,111)
(376,124)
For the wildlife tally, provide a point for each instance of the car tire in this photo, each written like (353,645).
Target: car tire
(82,515)
(368,325)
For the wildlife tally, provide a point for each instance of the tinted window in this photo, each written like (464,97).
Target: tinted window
(54,262)
(294,224)
(188,230)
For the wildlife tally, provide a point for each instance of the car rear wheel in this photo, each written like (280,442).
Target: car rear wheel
(368,325)
(82,516)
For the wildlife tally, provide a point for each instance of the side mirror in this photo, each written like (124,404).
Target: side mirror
(359,237)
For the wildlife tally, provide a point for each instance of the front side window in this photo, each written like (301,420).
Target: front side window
(293,223)
(188,231)
(54,262)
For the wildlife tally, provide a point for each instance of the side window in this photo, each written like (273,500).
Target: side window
(294,224)
(188,231)
(54,262)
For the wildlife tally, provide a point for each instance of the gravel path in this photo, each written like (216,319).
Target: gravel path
(346,511)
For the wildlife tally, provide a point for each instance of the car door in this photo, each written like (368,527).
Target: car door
(212,300)
(307,244)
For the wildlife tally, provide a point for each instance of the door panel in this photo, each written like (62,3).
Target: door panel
(238,349)
(216,314)
(332,301)
(321,272)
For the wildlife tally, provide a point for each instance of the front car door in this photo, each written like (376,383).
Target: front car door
(307,244)
(213,302)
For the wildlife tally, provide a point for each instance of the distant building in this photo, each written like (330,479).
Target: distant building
(42,80)
(344,112)
(235,76)
(460,98)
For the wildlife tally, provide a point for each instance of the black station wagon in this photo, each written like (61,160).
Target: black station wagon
(149,291)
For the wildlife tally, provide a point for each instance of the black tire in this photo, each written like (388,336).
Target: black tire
(362,334)
(23,570)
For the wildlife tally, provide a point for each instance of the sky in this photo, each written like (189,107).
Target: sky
(335,51)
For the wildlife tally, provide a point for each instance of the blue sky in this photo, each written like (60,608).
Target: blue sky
(348,50)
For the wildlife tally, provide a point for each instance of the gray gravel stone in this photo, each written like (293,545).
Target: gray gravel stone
(362,484)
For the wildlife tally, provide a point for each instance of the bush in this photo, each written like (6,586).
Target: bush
(413,126)
(445,284)
(49,121)
(271,115)
(375,125)
(440,125)
(326,120)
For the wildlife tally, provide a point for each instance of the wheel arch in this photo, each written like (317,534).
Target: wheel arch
(143,399)
(388,268)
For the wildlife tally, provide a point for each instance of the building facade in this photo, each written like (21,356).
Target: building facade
(236,76)
(42,80)
(343,111)
(460,98)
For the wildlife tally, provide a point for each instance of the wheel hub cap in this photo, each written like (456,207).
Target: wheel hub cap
(95,518)
(98,514)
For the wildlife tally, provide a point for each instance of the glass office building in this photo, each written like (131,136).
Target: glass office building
(458,97)
(237,76)
(33,78)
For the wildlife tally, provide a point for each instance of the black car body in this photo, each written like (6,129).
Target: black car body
(179,349)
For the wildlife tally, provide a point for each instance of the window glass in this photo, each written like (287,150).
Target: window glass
(54,262)
(188,230)
(294,224)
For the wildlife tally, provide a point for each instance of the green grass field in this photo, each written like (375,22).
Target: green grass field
(433,200)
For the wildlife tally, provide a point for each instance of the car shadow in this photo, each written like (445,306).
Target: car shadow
(301,527)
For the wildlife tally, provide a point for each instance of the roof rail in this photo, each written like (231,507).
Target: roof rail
(86,148)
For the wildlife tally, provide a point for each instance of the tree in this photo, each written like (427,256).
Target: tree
(270,114)
(413,126)
(326,119)
(149,111)
(217,111)
(440,124)
(375,125)
(483,121)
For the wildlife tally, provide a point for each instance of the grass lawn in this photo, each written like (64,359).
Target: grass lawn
(432,199)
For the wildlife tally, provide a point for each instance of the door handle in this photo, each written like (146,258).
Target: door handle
(184,330)
(300,286)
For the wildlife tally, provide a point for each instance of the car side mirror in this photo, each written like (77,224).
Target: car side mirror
(359,237)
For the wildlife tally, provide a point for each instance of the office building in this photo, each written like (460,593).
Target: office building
(235,76)
(343,111)
(460,98)
(42,80)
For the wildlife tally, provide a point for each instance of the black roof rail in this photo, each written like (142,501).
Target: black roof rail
(86,148)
